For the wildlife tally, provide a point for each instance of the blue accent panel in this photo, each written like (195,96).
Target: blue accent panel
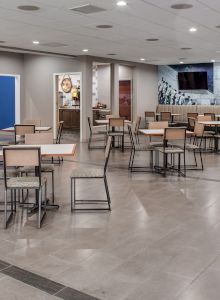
(7,101)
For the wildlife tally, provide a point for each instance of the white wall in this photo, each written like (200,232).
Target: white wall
(125,72)
(104,82)
(38,72)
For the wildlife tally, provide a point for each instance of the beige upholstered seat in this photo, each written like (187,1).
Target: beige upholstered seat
(87,172)
(25,182)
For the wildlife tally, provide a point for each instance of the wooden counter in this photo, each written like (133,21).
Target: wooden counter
(71,118)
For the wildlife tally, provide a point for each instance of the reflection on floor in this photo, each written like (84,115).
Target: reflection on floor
(161,241)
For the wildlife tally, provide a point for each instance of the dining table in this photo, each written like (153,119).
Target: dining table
(37,128)
(158,132)
(172,116)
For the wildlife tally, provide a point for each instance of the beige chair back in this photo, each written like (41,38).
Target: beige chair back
(150,114)
(192,115)
(199,129)
(33,122)
(21,156)
(212,115)
(24,128)
(204,118)
(174,133)
(158,125)
(116,122)
(165,116)
(39,138)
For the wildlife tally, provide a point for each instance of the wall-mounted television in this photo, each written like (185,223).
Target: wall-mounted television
(193,81)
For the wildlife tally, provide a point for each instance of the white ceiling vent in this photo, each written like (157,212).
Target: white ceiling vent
(87,9)
(54,44)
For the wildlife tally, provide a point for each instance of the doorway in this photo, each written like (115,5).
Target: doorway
(9,100)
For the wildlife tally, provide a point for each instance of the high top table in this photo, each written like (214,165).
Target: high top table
(158,132)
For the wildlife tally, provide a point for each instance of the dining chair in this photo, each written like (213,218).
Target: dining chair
(84,172)
(174,142)
(192,115)
(165,116)
(41,139)
(21,130)
(137,127)
(15,157)
(149,117)
(195,145)
(93,132)
(210,114)
(157,125)
(116,129)
(136,147)
(209,132)
(59,132)
(109,117)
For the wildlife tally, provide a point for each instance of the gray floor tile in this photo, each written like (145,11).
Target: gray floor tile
(70,294)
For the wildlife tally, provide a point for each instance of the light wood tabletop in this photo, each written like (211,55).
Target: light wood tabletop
(157,132)
(51,149)
(211,123)
(41,128)
(106,122)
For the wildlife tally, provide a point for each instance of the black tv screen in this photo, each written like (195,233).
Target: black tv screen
(193,81)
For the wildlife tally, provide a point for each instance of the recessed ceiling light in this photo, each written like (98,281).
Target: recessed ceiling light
(152,40)
(193,29)
(181,6)
(28,7)
(85,50)
(104,26)
(121,3)
(186,48)
(212,60)
(218,26)
(111,54)
(2,42)
(36,42)
(181,62)
(142,59)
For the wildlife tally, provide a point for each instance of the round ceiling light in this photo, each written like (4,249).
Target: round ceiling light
(85,50)
(111,54)
(28,7)
(152,40)
(193,29)
(212,60)
(181,6)
(104,26)
(2,42)
(142,59)
(181,62)
(121,3)
(218,26)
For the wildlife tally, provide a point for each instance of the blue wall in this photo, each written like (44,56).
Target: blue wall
(7,101)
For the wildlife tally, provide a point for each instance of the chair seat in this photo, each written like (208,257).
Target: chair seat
(144,148)
(192,147)
(99,132)
(116,133)
(87,173)
(44,168)
(208,133)
(25,182)
(171,150)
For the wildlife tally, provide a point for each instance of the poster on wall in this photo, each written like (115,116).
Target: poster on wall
(125,96)
(69,89)
(188,84)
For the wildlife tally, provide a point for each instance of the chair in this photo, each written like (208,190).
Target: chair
(149,117)
(15,157)
(116,129)
(40,139)
(165,116)
(95,133)
(109,117)
(37,123)
(91,173)
(59,132)
(157,125)
(192,115)
(137,126)
(196,145)
(209,131)
(136,147)
(191,123)
(212,115)
(21,130)
(178,138)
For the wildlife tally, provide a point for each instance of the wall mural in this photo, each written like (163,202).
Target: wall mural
(125,94)
(170,80)
(69,89)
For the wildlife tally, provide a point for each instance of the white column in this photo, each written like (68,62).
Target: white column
(115,89)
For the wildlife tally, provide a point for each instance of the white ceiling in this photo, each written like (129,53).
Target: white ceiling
(132,24)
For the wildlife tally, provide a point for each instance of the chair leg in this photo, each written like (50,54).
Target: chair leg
(194,152)
(107,192)
(132,161)
(71,192)
(129,164)
(39,207)
(6,211)
(52,174)
(201,159)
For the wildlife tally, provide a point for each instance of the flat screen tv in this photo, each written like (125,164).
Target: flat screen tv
(193,81)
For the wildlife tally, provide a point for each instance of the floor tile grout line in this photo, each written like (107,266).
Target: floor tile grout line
(60,291)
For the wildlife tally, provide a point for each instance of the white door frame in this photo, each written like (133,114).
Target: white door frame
(17,96)
(55,101)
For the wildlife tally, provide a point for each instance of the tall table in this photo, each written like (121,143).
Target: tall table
(215,124)
(37,128)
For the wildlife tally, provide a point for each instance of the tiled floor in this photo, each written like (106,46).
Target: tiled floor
(160,242)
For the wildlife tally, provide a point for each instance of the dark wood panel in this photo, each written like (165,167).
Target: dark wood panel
(71,118)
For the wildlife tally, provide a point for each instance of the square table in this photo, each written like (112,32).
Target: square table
(37,128)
